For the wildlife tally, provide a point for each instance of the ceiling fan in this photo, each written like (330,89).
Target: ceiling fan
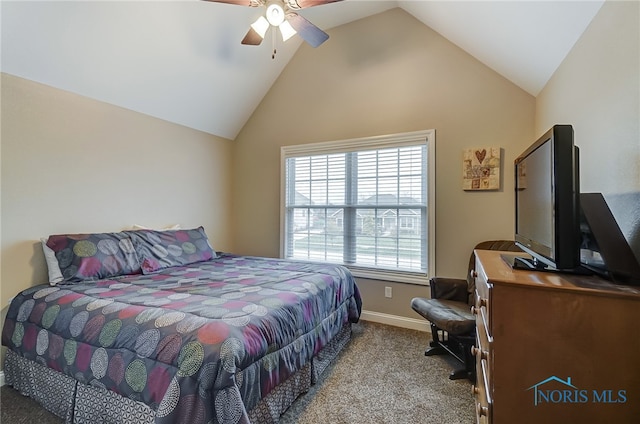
(281,14)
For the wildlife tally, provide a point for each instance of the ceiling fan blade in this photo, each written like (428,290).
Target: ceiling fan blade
(308,31)
(252,38)
(302,4)
(250,3)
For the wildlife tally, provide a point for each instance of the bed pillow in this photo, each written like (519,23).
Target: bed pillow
(136,227)
(157,250)
(96,256)
(55,275)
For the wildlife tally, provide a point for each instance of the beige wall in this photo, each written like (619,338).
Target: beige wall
(597,90)
(380,75)
(71,164)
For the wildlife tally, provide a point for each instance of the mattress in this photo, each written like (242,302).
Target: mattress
(207,342)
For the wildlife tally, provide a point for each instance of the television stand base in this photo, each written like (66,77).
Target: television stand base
(520,262)
(531,264)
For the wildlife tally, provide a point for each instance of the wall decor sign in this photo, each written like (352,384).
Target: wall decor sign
(481,168)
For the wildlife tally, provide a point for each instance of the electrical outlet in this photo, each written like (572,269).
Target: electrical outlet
(387,292)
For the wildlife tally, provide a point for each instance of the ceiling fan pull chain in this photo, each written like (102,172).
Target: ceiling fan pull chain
(273,38)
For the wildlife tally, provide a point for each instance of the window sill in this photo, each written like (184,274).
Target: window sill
(392,276)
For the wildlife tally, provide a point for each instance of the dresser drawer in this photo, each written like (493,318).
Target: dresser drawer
(481,311)
(483,351)
(481,390)
(483,297)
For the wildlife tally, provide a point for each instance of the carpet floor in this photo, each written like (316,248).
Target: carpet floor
(382,376)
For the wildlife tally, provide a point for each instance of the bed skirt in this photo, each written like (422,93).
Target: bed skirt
(79,403)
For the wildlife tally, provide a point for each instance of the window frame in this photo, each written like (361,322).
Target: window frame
(427,137)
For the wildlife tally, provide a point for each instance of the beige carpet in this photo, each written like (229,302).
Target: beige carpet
(382,376)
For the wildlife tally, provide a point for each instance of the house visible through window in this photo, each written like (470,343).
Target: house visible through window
(365,203)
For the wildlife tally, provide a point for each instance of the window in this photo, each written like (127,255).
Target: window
(365,203)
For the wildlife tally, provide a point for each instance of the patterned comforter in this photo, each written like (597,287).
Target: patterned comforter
(198,344)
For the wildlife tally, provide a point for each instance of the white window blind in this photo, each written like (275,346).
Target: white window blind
(364,203)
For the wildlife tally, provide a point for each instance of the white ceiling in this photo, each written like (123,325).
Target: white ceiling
(182,60)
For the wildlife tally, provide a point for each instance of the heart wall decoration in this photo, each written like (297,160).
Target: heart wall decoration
(481,168)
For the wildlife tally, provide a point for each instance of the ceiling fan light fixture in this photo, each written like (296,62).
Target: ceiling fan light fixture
(275,14)
(261,25)
(286,30)
(280,14)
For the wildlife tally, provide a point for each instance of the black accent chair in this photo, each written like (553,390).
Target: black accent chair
(453,326)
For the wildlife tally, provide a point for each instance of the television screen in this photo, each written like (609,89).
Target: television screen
(535,200)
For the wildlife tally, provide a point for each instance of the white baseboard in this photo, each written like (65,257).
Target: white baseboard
(395,320)
(1,378)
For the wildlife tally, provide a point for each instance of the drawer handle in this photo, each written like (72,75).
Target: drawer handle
(482,411)
(477,351)
(474,310)
(473,273)
(474,389)
(483,302)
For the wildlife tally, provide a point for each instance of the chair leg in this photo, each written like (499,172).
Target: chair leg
(441,344)
(435,346)
(469,370)
(470,364)
(459,374)
(434,351)
(435,339)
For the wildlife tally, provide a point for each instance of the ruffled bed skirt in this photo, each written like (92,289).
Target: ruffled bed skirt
(79,403)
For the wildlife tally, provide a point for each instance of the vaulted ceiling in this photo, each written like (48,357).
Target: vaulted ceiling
(182,61)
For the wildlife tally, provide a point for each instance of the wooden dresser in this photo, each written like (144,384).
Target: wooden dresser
(554,348)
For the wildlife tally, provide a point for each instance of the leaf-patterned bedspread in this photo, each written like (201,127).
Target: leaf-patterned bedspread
(201,343)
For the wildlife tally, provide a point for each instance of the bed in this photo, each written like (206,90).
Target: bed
(155,326)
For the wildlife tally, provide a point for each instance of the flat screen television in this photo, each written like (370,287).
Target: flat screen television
(547,202)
